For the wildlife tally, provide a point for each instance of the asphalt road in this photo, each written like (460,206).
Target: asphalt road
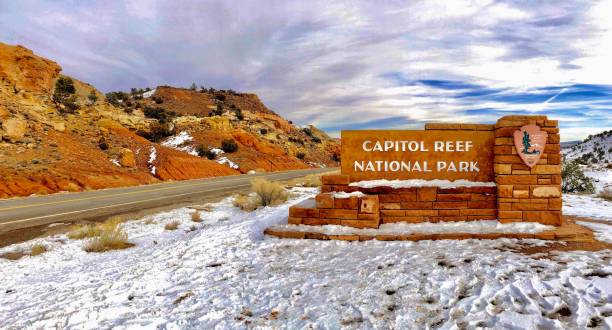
(17,213)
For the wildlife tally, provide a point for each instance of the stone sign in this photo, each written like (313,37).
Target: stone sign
(510,172)
(427,154)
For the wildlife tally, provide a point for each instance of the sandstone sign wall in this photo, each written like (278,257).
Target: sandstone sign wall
(518,176)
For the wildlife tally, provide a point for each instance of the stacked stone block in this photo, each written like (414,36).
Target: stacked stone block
(524,193)
(436,204)
(353,211)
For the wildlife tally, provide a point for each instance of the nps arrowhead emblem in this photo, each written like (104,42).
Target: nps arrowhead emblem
(530,141)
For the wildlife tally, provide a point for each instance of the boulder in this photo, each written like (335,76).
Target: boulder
(14,129)
(127,159)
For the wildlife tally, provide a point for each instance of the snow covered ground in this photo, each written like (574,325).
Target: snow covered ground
(224,274)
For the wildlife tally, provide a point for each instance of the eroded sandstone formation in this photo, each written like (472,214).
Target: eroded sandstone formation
(44,149)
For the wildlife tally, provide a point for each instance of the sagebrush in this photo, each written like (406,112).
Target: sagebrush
(104,236)
(265,193)
(574,180)
(173,225)
(606,194)
(270,192)
(37,249)
(196,216)
(108,240)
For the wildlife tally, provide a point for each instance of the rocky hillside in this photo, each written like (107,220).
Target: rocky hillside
(594,152)
(60,134)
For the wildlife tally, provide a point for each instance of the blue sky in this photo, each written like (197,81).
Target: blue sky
(344,65)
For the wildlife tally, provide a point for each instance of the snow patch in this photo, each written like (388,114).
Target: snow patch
(601,231)
(217,151)
(420,183)
(152,158)
(471,227)
(177,140)
(225,160)
(587,206)
(116,162)
(342,194)
(181,142)
(149,93)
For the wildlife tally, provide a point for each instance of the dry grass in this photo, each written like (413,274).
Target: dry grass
(83,231)
(606,194)
(93,230)
(266,193)
(108,240)
(270,192)
(247,202)
(312,180)
(196,216)
(105,236)
(173,225)
(37,249)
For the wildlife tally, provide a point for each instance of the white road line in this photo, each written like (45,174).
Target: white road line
(114,205)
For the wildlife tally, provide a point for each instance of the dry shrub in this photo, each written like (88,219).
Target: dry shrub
(312,180)
(247,202)
(196,216)
(270,192)
(108,240)
(93,230)
(173,225)
(606,194)
(84,231)
(104,236)
(37,249)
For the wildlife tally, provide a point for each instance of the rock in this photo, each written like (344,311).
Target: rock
(219,123)
(14,129)
(4,113)
(127,159)
(59,126)
(26,71)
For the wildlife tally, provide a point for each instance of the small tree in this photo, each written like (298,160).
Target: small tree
(70,104)
(574,179)
(205,152)
(92,97)
(193,87)
(64,95)
(229,145)
(300,155)
(239,114)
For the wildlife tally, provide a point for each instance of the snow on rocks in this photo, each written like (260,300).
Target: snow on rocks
(225,160)
(217,151)
(420,183)
(223,273)
(181,142)
(116,162)
(342,194)
(152,158)
(149,93)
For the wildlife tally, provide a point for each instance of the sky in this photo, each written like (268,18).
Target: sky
(344,64)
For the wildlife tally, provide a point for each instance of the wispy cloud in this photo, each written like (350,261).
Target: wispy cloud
(343,65)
